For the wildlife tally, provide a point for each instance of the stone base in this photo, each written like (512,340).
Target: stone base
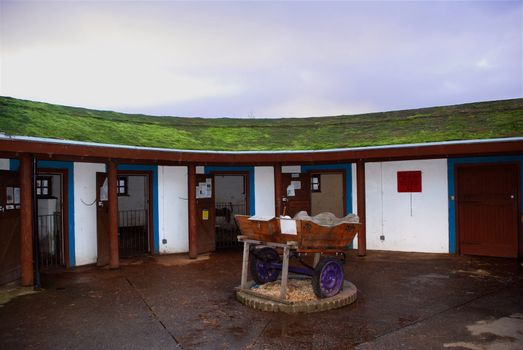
(347,296)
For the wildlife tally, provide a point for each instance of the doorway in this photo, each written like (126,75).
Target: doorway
(487,209)
(134,215)
(50,189)
(230,199)
(328,193)
(314,192)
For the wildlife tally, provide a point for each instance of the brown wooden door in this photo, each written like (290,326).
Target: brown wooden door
(205,216)
(102,219)
(302,197)
(487,209)
(9,227)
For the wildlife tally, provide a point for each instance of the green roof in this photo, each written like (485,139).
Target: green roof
(482,120)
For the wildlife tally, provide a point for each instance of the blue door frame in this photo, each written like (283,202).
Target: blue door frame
(154,170)
(347,169)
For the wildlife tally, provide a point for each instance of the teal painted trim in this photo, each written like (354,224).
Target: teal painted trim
(451,166)
(347,167)
(452,205)
(155,190)
(14,164)
(248,169)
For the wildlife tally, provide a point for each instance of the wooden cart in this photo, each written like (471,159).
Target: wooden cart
(261,237)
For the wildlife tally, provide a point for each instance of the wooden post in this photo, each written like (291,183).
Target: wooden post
(360,180)
(277,190)
(284,273)
(112,181)
(317,257)
(193,242)
(26,220)
(245,265)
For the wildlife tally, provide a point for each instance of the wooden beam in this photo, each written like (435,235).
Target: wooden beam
(278,190)
(193,242)
(112,180)
(26,220)
(53,150)
(360,181)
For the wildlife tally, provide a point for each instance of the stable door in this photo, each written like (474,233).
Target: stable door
(487,209)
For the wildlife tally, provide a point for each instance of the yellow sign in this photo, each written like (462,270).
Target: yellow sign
(205,214)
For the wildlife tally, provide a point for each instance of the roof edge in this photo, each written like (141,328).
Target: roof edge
(4,136)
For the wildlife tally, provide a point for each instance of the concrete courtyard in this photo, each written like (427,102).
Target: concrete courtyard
(405,300)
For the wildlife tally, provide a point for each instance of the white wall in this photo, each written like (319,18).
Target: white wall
(85,212)
(4,164)
(420,227)
(264,200)
(173,209)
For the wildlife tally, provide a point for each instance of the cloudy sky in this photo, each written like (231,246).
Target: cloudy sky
(260,59)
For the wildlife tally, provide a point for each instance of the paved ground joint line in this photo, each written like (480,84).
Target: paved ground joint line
(433,315)
(154,313)
(259,335)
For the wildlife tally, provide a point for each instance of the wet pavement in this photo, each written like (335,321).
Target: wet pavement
(405,300)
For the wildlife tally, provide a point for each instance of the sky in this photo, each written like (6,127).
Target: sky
(260,59)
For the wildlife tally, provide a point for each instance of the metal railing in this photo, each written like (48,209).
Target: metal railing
(51,240)
(133,232)
(226,228)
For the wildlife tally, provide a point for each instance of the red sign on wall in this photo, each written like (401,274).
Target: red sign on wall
(409,181)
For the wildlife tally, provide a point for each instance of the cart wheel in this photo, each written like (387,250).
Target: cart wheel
(327,279)
(261,265)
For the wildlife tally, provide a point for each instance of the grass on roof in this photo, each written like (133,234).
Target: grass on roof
(496,119)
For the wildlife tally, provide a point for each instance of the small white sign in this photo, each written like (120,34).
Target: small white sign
(9,195)
(203,190)
(104,192)
(296,185)
(288,226)
(17,195)
(200,169)
(290,191)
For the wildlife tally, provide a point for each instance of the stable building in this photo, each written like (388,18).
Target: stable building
(80,187)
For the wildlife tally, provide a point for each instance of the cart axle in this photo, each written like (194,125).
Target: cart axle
(294,269)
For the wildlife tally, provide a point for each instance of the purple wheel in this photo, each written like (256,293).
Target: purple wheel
(262,268)
(327,280)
